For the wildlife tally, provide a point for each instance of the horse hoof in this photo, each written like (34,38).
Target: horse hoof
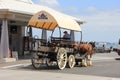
(84,64)
(89,63)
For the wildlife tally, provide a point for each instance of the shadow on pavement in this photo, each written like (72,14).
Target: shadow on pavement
(117,58)
(27,56)
(31,68)
(42,68)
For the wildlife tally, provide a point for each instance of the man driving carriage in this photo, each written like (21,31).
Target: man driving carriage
(66,35)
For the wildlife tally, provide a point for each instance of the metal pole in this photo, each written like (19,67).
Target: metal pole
(81,37)
(44,34)
(72,35)
(60,32)
(30,38)
(119,42)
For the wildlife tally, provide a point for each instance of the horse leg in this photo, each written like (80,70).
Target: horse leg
(84,62)
(90,61)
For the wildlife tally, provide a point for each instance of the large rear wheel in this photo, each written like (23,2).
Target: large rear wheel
(61,58)
(36,61)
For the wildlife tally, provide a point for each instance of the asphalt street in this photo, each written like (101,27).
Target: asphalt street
(104,65)
(106,68)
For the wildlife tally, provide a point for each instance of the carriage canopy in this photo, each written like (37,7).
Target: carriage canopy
(49,20)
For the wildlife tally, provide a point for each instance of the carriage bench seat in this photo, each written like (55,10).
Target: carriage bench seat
(47,49)
(62,42)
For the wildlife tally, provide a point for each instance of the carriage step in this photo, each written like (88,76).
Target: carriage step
(78,58)
(81,57)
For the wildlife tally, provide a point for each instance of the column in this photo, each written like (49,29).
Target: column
(21,35)
(0,43)
(30,38)
(4,40)
(0,49)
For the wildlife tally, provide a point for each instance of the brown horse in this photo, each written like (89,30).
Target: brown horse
(87,50)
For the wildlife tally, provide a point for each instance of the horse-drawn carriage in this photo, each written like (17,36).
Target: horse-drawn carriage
(57,51)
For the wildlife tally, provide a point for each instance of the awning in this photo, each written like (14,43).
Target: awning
(9,6)
(49,20)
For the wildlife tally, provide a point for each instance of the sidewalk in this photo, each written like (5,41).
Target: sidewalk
(22,60)
(3,64)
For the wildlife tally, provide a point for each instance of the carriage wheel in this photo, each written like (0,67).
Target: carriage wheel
(36,61)
(61,58)
(71,61)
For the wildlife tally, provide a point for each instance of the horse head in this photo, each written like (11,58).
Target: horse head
(76,46)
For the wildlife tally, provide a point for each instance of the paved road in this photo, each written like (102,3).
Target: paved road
(105,65)
(106,68)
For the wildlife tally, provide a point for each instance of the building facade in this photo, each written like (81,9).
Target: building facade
(14,16)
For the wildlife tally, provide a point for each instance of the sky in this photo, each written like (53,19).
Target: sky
(102,17)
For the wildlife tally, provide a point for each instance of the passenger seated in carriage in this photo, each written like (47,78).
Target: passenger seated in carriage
(66,35)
